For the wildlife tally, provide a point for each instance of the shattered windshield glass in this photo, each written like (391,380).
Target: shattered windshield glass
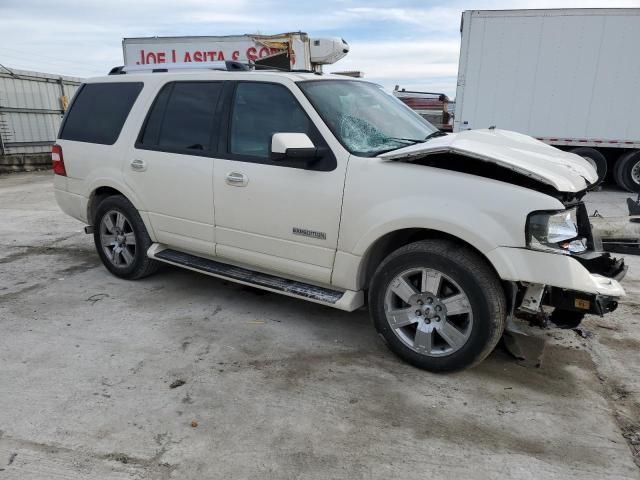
(366,119)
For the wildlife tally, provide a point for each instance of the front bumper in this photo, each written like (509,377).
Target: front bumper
(606,270)
(569,300)
(560,271)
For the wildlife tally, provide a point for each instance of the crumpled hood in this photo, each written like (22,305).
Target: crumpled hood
(564,171)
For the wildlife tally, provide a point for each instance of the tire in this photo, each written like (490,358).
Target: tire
(595,158)
(427,340)
(121,239)
(617,177)
(566,318)
(627,171)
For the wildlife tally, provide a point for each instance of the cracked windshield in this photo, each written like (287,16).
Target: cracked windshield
(367,120)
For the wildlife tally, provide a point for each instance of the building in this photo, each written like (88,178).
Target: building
(31,108)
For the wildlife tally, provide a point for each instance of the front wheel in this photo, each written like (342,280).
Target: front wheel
(438,305)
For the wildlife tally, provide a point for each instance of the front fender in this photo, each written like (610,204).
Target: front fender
(382,197)
(482,229)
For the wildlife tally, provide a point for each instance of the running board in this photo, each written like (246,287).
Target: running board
(344,300)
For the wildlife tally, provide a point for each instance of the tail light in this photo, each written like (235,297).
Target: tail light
(58,161)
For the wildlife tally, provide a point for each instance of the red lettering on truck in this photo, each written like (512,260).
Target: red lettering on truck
(150,57)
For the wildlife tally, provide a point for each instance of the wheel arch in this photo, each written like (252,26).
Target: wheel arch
(396,239)
(97,196)
(102,190)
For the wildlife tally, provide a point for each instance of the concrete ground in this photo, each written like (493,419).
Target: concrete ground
(270,387)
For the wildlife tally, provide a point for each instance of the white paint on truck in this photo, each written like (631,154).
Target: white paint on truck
(305,52)
(565,74)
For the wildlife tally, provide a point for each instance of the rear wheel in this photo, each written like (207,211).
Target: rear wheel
(438,305)
(595,158)
(121,239)
(627,171)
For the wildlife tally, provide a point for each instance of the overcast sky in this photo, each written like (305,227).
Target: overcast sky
(411,43)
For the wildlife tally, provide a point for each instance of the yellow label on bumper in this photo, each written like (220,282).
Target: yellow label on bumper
(582,304)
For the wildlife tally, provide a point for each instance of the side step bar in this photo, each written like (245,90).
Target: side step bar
(344,300)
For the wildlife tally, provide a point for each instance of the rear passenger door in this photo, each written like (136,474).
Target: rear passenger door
(171,166)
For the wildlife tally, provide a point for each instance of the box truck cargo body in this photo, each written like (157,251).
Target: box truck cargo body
(569,77)
(304,53)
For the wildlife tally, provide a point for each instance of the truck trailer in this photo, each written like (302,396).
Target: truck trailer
(433,107)
(568,77)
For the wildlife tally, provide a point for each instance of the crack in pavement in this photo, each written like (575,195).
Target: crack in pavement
(152,466)
(42,250)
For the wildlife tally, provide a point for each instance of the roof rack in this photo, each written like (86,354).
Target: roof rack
(228,66)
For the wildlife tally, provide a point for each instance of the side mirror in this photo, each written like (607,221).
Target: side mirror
(292,146)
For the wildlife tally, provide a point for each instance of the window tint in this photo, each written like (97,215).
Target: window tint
(99,112)
(260,110)
(154,121)
(182,116)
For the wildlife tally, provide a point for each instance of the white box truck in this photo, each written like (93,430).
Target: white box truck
(569,77)
(302,52)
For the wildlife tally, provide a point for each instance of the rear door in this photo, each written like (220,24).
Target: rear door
(171,165)
(277,215)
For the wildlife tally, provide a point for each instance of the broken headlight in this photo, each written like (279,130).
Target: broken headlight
(556,232)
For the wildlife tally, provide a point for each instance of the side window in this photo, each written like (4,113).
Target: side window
(259,111)
(182,117)
(99,112)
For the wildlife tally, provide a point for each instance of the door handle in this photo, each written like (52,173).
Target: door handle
(138,165)
(237,179)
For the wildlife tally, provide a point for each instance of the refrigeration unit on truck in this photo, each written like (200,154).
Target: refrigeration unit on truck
(295,51)
(569,77)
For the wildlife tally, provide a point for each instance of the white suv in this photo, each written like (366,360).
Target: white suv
(330,190)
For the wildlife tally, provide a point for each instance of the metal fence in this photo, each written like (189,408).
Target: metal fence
(31,108)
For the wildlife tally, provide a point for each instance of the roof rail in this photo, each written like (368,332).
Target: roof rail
(228,65)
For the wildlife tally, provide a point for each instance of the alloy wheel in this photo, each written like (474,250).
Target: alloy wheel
(117,239)
(428,311)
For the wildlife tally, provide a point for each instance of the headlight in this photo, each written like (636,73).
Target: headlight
(555,231)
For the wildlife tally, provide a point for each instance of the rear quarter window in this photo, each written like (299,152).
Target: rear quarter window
(99,111)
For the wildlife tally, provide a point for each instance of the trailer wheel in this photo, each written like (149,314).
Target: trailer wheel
(616,172)
(595,158)
(626,171)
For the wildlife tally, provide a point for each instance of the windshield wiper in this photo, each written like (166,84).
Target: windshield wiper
(411,141)
(435,134)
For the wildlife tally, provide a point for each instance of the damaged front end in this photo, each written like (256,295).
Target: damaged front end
(566,232)
(581,244)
